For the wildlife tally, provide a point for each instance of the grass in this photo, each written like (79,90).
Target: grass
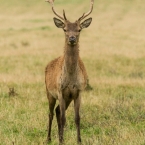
(112,48)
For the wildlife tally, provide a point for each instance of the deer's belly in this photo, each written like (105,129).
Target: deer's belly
(70,93)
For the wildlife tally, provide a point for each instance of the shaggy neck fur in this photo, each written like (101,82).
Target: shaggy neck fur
(71,56)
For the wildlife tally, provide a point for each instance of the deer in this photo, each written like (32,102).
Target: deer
(66,76)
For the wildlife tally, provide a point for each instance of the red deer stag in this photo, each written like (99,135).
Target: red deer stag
(66,76)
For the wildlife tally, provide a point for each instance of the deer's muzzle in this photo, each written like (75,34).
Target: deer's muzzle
(72,40)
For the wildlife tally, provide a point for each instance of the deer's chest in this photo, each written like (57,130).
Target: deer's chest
(73,81)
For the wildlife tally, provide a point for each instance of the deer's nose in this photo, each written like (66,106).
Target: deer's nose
(72,39)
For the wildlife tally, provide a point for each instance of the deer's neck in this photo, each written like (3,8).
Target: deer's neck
(71,56)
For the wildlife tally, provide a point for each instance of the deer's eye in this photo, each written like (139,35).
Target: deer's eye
(64,30)
(79,30)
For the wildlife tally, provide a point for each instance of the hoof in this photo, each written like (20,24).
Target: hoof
(61,142)
(79,141)
(47,141)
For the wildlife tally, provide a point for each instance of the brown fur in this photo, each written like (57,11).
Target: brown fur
(65,78)
(53,72)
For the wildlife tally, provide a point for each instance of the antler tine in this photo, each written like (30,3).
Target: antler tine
(64,15)
(81,17)
(52,5)
(88,13)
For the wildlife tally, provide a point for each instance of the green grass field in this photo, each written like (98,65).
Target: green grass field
(113,50)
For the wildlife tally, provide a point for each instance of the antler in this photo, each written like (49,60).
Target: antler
(88,13)
(52,5)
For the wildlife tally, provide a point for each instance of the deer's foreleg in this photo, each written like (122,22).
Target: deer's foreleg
(62,105)
(77,117)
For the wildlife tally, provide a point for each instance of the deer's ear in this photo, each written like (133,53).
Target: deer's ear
(58,23)
(86,23)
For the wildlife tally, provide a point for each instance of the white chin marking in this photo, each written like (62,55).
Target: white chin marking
(72,43)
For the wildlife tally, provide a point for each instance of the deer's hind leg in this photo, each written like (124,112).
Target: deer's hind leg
(60,115)
(52,102)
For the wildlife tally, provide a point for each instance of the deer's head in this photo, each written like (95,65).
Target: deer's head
(71,30)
